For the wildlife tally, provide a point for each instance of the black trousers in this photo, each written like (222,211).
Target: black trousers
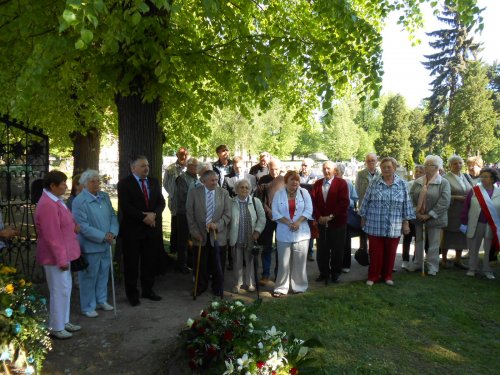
(209,267)
(346,261)
(139,261)
(182,240)
(174,231)
(331,242)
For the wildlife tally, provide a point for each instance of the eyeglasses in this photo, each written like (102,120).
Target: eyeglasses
(484,177)
(430,165)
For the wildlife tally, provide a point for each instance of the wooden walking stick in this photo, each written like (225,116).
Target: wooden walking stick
(197,273)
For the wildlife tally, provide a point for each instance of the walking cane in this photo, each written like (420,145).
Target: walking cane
(112,279)
(423,249)
(255,254)
(197,273)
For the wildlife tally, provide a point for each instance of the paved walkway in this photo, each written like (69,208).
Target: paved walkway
(140,339)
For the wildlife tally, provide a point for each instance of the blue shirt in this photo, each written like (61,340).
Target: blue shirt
(385,207)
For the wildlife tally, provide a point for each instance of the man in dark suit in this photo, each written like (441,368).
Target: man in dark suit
(237,174)
(330,197)
(140,203)
(208,211)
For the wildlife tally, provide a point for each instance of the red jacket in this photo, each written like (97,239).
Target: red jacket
(337,201)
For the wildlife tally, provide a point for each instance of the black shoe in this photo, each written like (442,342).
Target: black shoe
(134,301)
(152,296)
(321,278)
(335,279)
(184,270)
(310,258)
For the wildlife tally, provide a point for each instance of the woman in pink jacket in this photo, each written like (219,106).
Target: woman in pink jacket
(57,246)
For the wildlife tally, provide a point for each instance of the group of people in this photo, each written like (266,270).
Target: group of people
(221,211)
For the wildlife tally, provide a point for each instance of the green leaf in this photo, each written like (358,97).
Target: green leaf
(136,18)
(79,44)
(143,7)
(86,35)
(69,16)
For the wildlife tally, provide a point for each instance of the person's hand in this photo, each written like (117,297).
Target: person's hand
(77,228)
(150,219)
(423,217)
(463,228)
(363,222)
(211,226)
(198,237)
(294,226)
(255,235)
(406,227)
(64,268)
(109,237)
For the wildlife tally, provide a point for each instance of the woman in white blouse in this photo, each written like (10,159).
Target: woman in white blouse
(460,186)
(291,208)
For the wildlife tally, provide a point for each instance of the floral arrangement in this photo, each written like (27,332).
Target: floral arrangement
(24,337)
(226,339)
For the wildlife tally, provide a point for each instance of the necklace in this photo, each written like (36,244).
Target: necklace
(291,194)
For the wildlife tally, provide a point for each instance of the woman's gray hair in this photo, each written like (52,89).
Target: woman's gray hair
(238,183)
(88,175)
(435,159)
(203,166)
(340,168)
(454,158)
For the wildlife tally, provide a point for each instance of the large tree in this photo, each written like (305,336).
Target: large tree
(394,137)
(472,116)
(163,65)
(455,48)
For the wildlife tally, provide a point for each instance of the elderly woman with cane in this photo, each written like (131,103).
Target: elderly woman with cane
(480,220)
(291,208)
(248,222)
(92,209)
(431,195)
(386,211)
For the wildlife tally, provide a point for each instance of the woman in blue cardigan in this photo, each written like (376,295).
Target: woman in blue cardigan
(92,209)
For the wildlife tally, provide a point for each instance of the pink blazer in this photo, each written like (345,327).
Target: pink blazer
(57,242)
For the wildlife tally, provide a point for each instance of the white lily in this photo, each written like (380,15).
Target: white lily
(243,362)
(189,323)
(253,317)
(229,368)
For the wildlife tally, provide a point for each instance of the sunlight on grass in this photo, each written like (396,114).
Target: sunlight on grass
(439,351)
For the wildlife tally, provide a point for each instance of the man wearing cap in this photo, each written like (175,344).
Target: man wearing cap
(261,169)
(171,173)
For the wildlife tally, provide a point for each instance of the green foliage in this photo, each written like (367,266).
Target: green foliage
(472,116)
(341,133)
(394,137)
(418,134)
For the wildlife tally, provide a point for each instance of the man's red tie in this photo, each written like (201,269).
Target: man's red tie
(145,192)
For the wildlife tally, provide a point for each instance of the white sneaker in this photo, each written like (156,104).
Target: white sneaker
(346,270)
(389,282)
(70,327)
(90,314)
(251,288)
(105,306)
(471,273)
(489,275)
(431,273)
(404,265)
(369,282)
(61,335)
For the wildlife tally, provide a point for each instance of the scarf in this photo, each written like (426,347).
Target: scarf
(421,209)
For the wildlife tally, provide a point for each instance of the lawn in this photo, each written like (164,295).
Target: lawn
(447,324)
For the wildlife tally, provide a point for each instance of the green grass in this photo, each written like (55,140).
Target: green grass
(447,324)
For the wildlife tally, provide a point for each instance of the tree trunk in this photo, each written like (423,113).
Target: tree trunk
(86,148)
(139,134)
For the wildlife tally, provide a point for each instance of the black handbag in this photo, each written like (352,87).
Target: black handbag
(79,264)
(353,218)
(362,257)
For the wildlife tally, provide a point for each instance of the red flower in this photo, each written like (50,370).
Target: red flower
(194,324)
(203,314)
(294,371)
(228,335)
(237,322)
(192,365)
(260,364)
(212,351)
(191,352)
(201,330)
(211,318)
(273,373)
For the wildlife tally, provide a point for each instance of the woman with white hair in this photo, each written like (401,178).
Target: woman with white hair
(248,220)
(431,198)
(92,209)
(460,187)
